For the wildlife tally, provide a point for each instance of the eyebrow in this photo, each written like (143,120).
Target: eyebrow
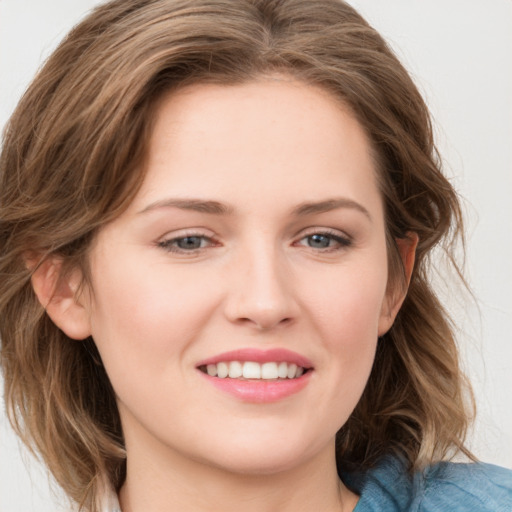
(329,205)
(218,208)
(197,205)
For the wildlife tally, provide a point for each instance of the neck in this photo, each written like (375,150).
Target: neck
(154,485)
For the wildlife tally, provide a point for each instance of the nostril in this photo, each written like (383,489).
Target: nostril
(263,323)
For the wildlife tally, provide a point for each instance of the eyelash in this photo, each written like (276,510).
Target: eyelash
(170,245)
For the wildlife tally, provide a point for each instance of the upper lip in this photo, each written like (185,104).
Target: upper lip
(277,355)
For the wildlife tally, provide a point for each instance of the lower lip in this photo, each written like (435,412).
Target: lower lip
(259,391)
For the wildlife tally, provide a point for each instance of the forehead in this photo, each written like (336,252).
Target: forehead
(273,137)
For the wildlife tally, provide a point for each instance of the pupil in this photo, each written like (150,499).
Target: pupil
(319,241)
(190,242)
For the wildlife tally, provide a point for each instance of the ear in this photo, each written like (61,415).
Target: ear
(396,294)
(57,293)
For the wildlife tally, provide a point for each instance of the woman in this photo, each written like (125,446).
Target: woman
(216,219)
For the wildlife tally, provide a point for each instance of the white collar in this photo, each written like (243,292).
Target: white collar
(110,503)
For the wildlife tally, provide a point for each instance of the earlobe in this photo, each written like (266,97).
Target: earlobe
(57,293)
(396,295)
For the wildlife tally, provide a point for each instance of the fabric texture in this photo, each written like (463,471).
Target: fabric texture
(443,487)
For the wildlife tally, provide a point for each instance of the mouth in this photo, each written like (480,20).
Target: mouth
(252,370)
(258,376)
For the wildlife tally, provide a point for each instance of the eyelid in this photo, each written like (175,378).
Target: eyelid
(184,232)
(324,231)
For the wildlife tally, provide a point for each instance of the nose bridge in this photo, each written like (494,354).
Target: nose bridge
(260,293)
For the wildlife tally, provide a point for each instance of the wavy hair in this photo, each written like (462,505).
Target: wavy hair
(71,161)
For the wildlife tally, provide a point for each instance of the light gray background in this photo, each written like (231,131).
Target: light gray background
(460,53)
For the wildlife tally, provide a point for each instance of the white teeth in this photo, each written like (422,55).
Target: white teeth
(222,370)
(292,368)
(253,370)
(235,369)
(282,370)
(269,371)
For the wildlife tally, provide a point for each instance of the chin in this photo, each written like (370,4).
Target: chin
(258,465)
(262,458)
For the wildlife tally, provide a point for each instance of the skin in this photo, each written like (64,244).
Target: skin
(257,280)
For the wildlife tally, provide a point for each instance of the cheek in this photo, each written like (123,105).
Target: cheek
(349,303)
(347,319)
(144,322)
(352,333)
(146,313)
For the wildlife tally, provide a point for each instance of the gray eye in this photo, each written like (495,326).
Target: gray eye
(189,242)
(319,241)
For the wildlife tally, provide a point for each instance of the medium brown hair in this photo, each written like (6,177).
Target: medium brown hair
(71,162)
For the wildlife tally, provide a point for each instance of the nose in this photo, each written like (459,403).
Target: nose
(261,293)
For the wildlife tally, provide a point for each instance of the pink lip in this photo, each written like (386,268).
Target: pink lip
(277,355)
(259,391)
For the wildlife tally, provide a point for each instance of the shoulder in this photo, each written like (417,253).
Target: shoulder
(389,487)
(476,486)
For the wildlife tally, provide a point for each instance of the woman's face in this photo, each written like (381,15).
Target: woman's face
(256,243)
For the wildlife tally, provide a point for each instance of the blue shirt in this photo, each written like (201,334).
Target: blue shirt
(445,486)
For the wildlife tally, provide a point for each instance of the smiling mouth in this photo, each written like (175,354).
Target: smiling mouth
(251,370)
